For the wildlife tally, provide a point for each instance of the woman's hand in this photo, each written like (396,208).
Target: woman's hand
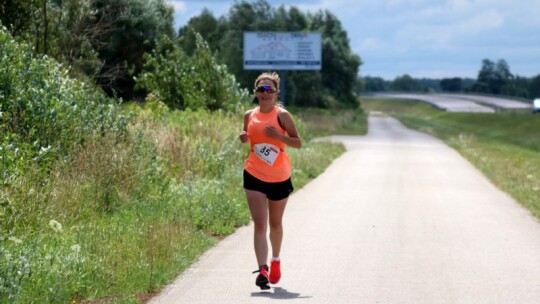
(244,137)
(273,132)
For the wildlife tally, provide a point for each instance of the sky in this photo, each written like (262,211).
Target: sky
(421,38)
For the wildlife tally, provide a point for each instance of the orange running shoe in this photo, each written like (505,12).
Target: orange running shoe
(275,272)
(262,278)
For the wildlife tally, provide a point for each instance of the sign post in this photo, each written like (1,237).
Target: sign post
(282,51)
(283,79)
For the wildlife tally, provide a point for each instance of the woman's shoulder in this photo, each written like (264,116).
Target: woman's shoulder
(248,112)
(281,109)
(283,112)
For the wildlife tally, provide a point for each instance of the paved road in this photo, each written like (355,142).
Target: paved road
(447,103)
(399,218)
(496,102)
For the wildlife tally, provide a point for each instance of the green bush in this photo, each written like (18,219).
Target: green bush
(190,82)
(43,111)
(47,121)
(44,117)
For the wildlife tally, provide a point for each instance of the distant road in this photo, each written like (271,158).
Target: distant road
(498,102)
(463,102)
(399,218)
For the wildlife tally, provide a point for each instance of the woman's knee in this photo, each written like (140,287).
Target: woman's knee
(276,226)
(260,227)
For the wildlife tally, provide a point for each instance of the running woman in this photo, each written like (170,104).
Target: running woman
(268,128)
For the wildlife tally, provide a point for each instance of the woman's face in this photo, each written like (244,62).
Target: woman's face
(266,91)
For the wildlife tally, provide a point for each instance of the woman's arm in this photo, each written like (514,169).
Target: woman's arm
(292,138)
(244,137)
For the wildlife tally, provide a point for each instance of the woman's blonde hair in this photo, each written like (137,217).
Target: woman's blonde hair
(272,76)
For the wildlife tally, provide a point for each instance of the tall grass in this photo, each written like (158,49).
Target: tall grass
(504,146)
(322,122)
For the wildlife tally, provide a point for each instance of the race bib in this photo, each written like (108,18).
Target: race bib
(266,152)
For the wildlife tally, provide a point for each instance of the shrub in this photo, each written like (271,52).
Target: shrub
(43,111)
(190,82)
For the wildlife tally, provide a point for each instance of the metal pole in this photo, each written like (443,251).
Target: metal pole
(283,86)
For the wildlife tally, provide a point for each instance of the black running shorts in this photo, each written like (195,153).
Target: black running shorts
(273,191)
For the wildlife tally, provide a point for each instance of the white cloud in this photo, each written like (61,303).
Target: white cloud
(400,4)
(448,34)
(185,10)
(179,6)
(370,44)
(480,22)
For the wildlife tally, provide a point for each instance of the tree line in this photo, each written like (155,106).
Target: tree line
(120,45)
(494,78)
(102,40)
(334,84)
(129,48)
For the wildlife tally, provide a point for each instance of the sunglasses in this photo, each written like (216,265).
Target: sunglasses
(265,88)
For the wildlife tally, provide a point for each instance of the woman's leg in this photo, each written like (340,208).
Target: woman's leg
(259,213)
(276,209)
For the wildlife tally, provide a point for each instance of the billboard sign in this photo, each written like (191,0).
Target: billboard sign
(282,50)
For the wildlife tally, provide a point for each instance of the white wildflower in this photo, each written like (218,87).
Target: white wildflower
(536,188)
(529,176)
(15,240)
(76,248)
(44,149)
(56,226)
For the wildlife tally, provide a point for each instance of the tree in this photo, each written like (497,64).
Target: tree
(451,84)
(339,65)
(295,19)
(241,18)
(492,77)
(29,20)
(517,86)
(137,24)
(15,15)
(78,33)
(65,30)
(534,87)
(205,25)
(374,84)
(104,39)
(486,77)
(190,82)
(405,83)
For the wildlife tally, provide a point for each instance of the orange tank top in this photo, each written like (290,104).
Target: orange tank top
(267,159)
